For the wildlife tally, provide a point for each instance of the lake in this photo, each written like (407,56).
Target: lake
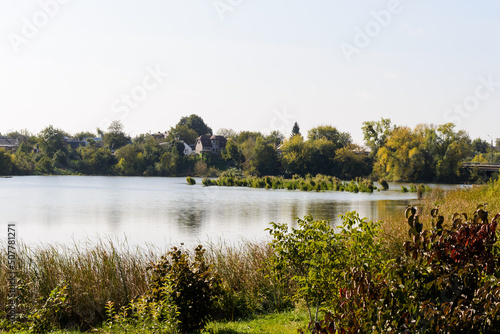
(165,211)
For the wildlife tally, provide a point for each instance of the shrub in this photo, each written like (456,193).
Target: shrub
(384,184)
(194,286)
(315,256)
(190,180)
(446,281)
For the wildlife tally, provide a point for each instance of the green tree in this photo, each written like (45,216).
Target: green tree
(265,160)
(24,163)
(295,130)
(318,157)
(5,162)
(375,133)
(51,140)
(196,123)
(450,149)
(183,132)
(116,138)
(170,163)
(84,134)
(293,157)
(401,157)
(480,146)
(275,138)
(44,165)
(228,133)
(233,152)
(245,135)
(352,162)
(95,161)
(130,161)
(328,132)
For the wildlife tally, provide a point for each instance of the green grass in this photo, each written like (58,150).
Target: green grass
(277,323)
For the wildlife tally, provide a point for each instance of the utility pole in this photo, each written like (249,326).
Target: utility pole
(491,149)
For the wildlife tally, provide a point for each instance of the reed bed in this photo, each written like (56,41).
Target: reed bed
(105,271)
(93,275)
(250,289)
(307,183)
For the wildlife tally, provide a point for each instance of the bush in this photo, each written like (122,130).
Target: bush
(193,286)
(384,184)
(190,180)
(446,281)
(315,255)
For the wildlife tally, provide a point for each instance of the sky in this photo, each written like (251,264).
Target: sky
(256,65)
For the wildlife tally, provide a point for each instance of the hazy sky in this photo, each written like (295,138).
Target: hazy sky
(249,65)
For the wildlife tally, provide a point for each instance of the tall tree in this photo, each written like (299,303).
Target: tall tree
(275,138)
(116,138)
(401,158)
(293,157)
(330,133)
(265,160)
(228,133)
(375,133)
(196,123)
(5,162)
(295,130)
(183,132)
(51,140)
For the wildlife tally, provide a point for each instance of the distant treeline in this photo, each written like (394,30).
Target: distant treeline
(395,153)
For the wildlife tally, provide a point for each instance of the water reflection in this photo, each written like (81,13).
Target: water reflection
(167,210)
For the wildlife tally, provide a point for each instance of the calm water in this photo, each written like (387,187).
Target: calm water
(161,211)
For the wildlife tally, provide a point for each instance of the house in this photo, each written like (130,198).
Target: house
(210,144)
(9,144)
(188,149)
(160,136)
(74,143)
(97,141)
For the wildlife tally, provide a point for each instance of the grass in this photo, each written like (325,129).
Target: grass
(277,323)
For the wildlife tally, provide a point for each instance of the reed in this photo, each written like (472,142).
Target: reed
(106,271)
(93,275)
(308,183)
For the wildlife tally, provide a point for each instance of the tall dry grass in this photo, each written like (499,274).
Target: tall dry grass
(96,273)
(93,274)
(460,200)
(248,283)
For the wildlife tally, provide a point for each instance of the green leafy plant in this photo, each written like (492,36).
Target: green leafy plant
(316,256)
(446,281)
(49,316)
(190,180)
(192,284)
